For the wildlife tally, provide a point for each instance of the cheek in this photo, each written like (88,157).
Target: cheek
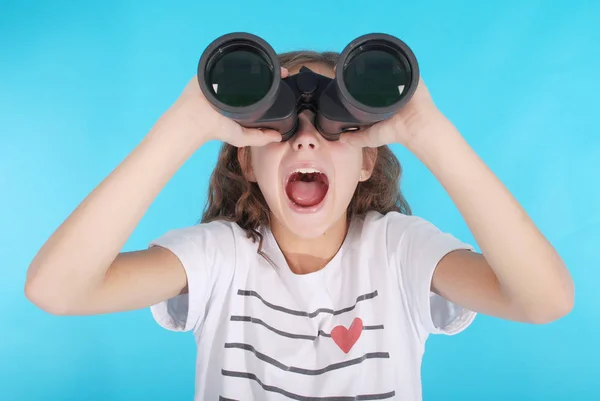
(265,164)
(348,164)
(347,159)
(262,158)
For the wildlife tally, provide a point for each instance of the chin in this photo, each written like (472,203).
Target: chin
(308,228)
(311,222)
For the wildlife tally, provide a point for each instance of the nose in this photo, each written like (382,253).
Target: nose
(307,137)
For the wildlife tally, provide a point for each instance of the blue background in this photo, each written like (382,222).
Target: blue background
(82,83)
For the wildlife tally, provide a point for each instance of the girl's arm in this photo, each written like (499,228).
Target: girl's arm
(80,270)
(520,276)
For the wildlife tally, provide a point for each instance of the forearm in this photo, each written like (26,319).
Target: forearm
(79,253)
(530,272)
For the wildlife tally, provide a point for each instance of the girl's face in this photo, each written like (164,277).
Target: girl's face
(308,181)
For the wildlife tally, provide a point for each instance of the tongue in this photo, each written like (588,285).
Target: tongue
(306,194)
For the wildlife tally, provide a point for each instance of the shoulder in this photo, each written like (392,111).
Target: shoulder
(406,235)
(387,233)
(215,241)
(217,230)
(393,224)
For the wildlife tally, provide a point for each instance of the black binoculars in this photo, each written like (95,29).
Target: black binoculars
(375,75)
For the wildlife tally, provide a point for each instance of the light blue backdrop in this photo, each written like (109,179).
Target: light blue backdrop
(81,83)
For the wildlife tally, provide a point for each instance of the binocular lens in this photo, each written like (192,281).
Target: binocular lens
(377,77)
(239,76)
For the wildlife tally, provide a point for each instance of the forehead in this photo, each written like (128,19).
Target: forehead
(319,68)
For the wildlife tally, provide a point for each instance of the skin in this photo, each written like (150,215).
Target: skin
(80,269)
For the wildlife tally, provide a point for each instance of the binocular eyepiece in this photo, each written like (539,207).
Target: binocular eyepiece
(376,74)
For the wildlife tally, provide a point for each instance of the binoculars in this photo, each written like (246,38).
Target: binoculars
(375,75)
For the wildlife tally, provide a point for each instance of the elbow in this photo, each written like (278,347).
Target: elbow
(552,310)
(555,302)
(46,298)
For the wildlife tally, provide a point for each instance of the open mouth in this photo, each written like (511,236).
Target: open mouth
(306,187)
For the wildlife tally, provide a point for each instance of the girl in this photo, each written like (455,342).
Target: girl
(307,278)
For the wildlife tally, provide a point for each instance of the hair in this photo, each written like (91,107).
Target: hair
(233,198)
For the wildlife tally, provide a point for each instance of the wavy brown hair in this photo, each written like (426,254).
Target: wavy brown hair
(233,198)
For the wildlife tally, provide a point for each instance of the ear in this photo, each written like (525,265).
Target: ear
(369,160)
(245,161)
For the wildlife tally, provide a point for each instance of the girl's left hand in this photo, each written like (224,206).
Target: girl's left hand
(411,121)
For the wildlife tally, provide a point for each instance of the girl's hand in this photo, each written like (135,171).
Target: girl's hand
(204,123)
(410,122)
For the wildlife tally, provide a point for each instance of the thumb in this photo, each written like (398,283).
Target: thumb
(359,139)
(260,137)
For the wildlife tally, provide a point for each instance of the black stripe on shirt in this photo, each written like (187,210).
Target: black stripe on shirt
(248,293)
(375,327)
(290,335)
(308,372)
(274,389)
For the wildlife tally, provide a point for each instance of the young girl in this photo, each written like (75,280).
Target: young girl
(308,278)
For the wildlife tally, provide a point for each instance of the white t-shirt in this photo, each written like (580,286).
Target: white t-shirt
(354,330)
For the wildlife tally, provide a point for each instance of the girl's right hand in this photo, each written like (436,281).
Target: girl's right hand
(196,112)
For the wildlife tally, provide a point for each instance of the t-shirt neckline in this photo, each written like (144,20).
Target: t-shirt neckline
(274,252)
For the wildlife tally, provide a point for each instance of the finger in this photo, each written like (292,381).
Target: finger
(374,136)
(260,137)
(359,139)
(284,72)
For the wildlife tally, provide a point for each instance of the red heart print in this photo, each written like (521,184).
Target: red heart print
(346,338)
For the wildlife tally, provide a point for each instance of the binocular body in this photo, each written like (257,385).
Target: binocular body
(376,74)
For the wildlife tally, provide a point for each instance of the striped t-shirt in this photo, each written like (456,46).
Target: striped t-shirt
(354,330)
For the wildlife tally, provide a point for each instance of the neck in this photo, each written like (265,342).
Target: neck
(308,255)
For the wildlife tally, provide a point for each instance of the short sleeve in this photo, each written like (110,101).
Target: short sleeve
(420,247)
(206,251)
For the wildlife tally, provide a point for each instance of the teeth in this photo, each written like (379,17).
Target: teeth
(307,170)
